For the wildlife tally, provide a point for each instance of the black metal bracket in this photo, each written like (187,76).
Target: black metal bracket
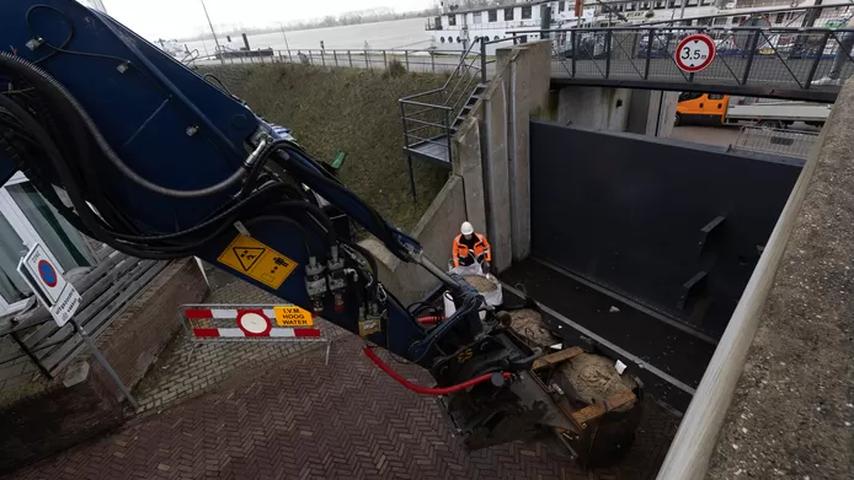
(707,230)
(689,288)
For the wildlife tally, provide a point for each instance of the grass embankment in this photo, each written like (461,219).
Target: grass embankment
(349,110)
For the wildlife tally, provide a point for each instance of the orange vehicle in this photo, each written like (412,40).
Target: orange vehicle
(701,108)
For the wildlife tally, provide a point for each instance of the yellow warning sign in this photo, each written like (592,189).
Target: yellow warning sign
(293,316)
(257,261)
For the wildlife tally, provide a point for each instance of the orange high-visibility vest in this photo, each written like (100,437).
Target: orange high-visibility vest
(480,252)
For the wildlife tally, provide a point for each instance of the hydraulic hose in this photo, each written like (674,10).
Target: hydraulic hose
(420,389)
(41,79)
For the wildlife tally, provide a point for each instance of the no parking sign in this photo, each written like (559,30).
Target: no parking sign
(45,279)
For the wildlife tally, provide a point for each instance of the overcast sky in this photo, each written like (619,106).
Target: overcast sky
(181,18)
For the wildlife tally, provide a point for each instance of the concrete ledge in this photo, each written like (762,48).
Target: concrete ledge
(785,360)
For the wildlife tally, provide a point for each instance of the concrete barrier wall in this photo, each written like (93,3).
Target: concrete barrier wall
(437,228)
(489,184)
(786,355)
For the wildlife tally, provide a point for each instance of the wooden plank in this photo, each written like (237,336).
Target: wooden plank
(65,354)
(591,412)
(556,358)
(48,331)
(108,303)
(105,294)
(49,335)
(40,315)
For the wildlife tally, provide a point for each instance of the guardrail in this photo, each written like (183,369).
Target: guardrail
(797,63)
(413,60)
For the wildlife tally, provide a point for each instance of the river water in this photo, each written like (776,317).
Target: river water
(406,33)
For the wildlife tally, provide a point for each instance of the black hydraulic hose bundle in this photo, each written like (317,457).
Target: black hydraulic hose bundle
(37,124)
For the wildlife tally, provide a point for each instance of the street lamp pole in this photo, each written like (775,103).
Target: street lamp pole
(282,26)
(213,32)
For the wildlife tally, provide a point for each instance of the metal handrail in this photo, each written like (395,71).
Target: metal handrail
(683,27)
(422,104)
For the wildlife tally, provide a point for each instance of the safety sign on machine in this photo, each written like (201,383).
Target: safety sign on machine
(249,322)
(694,53)
(257,261)
(43,276)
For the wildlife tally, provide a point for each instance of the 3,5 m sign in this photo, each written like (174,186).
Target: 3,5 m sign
(695,53)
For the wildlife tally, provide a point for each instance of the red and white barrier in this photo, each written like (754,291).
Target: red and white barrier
(246,322)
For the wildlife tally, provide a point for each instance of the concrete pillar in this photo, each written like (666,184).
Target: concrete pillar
(528,85)
(651,112)
(599,108)
(496,170)
(468,165)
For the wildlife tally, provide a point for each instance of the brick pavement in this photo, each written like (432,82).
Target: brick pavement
(302,419)
(187,368)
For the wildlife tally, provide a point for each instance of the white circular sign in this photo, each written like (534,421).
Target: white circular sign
(254,322)
(694,53)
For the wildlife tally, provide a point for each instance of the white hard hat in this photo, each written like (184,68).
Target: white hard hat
(466,228)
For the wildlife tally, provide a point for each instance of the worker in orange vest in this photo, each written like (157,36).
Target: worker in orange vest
(471,247)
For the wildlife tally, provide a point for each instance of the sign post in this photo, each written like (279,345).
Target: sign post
(694,53)
(62,300)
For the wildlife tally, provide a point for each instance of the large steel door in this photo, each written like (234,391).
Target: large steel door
(674,226)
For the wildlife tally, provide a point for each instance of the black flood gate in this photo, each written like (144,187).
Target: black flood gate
(648,242)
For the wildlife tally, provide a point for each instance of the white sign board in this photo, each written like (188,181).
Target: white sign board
(44,277)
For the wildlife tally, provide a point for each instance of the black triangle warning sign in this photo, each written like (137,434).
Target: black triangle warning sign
(248,256)
(258,261)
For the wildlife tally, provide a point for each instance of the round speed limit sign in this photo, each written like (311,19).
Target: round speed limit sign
(694,53)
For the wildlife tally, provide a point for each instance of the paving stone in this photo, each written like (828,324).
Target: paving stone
(304,419)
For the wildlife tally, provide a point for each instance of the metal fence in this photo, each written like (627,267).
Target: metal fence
(413,60)
(778,141)
(808,64)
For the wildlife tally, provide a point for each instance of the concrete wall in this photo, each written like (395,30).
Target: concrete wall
(438,226)
(776,398)
(529,77)
(492,120)
(490,181)
(598,108)
(647,112)
(519,89)
(651,112)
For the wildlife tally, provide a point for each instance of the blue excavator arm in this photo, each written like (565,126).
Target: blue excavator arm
(143,154)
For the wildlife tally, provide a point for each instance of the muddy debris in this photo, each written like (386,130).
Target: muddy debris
(480,283)
(528,324)
(594,379)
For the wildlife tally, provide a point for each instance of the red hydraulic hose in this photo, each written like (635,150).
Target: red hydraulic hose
(427,390)
(430,319)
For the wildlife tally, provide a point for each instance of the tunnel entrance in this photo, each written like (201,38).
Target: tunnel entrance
(645,245)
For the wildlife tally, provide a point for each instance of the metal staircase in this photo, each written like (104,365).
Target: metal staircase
(431,118)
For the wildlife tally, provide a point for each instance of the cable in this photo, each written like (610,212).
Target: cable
(211,76)
(36,75)
(368,351)
(64,42)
